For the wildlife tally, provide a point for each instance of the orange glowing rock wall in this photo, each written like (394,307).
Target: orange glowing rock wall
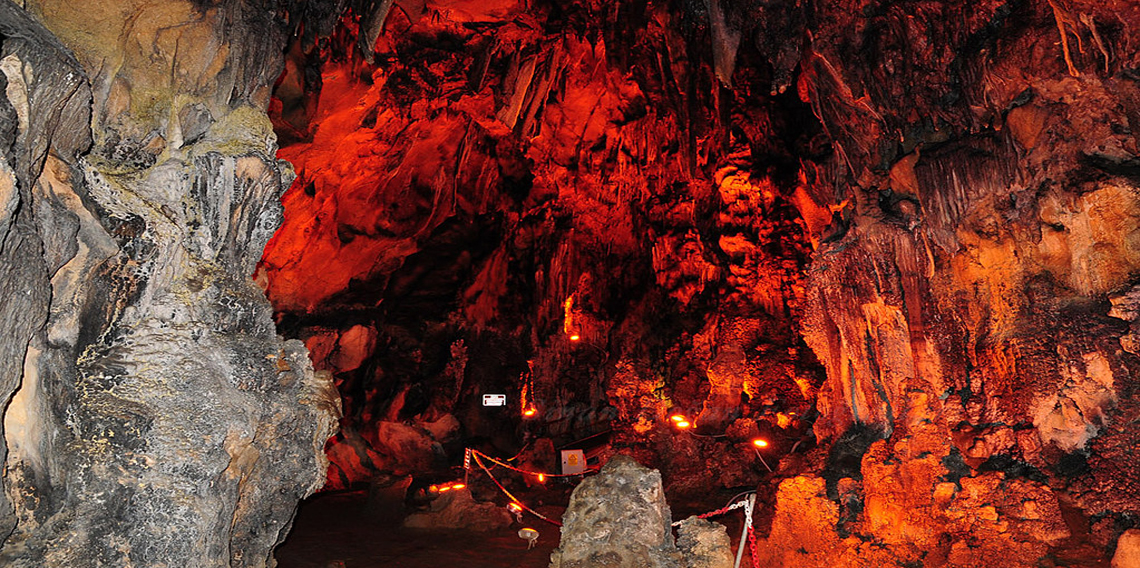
(896,238)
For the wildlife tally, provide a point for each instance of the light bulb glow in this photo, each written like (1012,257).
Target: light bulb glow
(541,478)
(682,424)
(760,443)
(575,337)
(677,418)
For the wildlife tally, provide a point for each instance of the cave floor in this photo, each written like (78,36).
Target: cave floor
(334,531)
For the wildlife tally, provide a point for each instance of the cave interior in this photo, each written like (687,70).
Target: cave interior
(873,264)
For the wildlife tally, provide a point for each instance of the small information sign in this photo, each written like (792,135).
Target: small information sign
(573,462)
(494,400)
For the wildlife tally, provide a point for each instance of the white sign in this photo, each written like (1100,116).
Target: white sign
(494,400)
(573,461)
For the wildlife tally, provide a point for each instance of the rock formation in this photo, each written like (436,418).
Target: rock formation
(895,240)
(155,417)
(618,518)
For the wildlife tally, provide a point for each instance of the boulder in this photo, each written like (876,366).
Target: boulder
(704,544)
(618,519)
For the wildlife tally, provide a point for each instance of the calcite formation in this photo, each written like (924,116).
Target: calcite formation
(155,417)
(618,518)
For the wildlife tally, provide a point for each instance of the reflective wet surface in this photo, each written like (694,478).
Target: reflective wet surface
(335,531)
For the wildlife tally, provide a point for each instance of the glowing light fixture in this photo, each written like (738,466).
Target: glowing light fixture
(541,478)
(459,486)
(760,443)
(530,535)
(683,424)
(677,418)
(575,337)
(530,411)
(515,507)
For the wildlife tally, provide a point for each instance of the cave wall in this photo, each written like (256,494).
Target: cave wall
(153,416)
(972,310)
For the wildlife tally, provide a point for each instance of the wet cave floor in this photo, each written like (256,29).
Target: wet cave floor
(334,530)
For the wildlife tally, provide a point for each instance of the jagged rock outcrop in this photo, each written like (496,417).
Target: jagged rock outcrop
(157,418)
(618,518)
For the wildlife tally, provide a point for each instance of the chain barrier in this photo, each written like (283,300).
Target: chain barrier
(751,535)
(522,471)
(718,512)
(477,456)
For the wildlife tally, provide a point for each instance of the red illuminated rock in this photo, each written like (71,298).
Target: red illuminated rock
(928,240)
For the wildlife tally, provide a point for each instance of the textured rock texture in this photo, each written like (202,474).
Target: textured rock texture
(1127,550)
(704,544)
(618,518)
(155,417)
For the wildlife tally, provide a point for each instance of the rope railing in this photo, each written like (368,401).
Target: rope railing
(515,500)
(540,475)
(749,498)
